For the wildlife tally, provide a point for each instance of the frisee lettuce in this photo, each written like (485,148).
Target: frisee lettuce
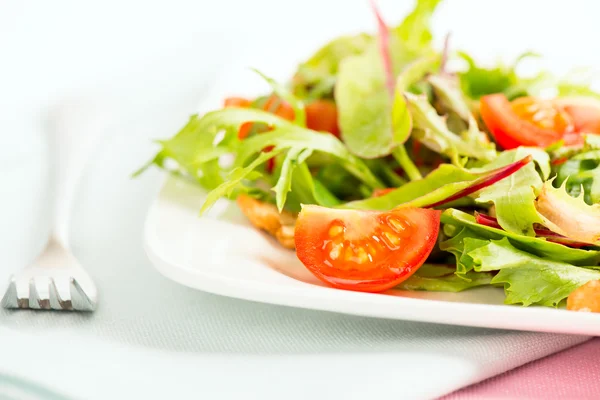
(529,279)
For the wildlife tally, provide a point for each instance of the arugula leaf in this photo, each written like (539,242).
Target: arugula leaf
(529,279)
(283,93)
(433,132)
(316,77)
(294,157)
(537,246)
(305,138)
(235,178)
(514,196)
(306,189)
(441,278)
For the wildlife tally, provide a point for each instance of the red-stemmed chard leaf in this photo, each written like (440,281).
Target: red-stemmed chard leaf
(384,48)
(484,181)
(487,220)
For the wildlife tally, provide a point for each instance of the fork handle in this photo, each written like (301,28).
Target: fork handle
(75,128)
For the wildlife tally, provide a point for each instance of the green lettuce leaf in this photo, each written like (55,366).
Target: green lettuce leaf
(460,245)
(537,246)
(364,105)
(316,77)
(371,122)
(441,278)
(514,196)
(581,174)
(413,35)
(529,279)
(434,133)
(478,81)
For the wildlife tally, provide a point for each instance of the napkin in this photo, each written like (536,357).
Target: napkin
(153,338)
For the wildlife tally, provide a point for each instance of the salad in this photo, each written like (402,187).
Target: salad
(383,167)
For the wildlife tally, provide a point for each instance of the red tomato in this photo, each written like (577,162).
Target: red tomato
(367,251)
(584,111)
(237,102)
(321,115)
(526,121)
(277,106)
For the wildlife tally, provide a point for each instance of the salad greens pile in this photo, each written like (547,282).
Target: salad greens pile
(525,219)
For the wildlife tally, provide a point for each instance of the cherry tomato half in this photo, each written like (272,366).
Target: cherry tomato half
(584,111)
(321,115)
(525,122)
(367,251)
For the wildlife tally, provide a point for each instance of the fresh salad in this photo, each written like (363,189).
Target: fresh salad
(383,167)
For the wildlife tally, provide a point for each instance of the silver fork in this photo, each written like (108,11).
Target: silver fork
(56,280)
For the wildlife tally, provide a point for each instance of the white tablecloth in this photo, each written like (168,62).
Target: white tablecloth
(152,338)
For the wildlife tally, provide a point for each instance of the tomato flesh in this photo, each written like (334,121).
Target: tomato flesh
(526,122)
(584,111)
(366,251)
(542,113)
(237,102)
(321,115)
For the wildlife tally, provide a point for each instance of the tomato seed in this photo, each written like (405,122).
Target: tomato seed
(335,230)
(396,225)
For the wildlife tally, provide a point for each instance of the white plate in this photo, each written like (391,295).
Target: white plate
(221,253)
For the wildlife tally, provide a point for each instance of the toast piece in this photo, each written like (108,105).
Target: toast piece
(265,216)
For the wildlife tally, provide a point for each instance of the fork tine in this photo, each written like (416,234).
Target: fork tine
(54,298)
(80,299)
(10,297)
(33,295)
(43,291)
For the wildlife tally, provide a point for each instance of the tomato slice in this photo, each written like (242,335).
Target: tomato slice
(321,115)
(367,251)
(526,121)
